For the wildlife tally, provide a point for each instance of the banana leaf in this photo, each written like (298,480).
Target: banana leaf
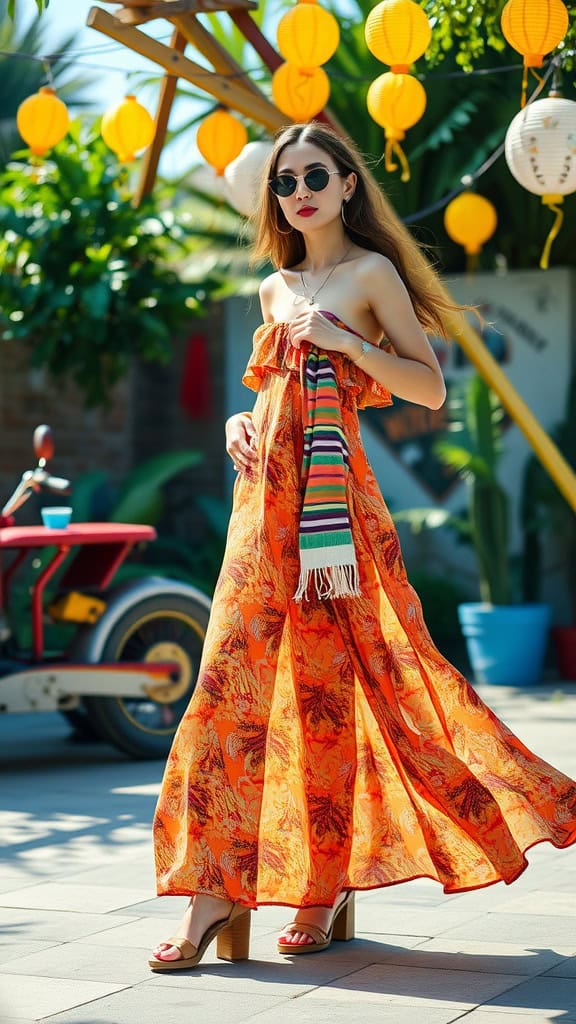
(140,500)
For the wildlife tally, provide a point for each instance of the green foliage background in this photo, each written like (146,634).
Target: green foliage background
(87,281)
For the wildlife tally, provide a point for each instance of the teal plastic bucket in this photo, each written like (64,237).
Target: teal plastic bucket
(506,643)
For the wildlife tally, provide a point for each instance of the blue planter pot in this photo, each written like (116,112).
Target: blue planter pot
(506,643)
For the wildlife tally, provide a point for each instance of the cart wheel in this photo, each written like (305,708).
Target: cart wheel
(168,627)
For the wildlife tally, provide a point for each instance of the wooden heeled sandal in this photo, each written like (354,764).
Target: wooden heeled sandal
(341,930)
(233,935)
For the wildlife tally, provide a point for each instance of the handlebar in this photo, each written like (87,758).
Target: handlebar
(57,484)
(34,480)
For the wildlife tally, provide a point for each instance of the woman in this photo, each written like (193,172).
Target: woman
(329,746)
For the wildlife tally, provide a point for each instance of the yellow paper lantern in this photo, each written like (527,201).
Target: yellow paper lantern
(470,220)
(300,93)
(308,35)
(42,120)
(220,139)
(397,33)
(533,28)
(397,102)
(127,129)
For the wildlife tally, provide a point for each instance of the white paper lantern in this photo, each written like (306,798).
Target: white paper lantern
(541,154)
(205,180)
(244,175)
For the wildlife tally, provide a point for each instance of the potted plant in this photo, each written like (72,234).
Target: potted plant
(546,511)
(506,642)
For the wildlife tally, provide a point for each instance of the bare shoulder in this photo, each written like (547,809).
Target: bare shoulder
(267,291)
(374,267)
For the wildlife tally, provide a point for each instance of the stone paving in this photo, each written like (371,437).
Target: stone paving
(78,913)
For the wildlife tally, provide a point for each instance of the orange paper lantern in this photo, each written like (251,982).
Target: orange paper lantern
(42,120)
(127,129)
(308,35)
(221,138)
(397,33)
(300,93)
(534,28)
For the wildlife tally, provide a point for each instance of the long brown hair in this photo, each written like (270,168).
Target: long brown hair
(370,222)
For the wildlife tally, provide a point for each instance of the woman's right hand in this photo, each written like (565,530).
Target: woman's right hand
(241,440)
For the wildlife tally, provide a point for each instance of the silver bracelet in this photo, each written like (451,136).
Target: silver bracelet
(366,348)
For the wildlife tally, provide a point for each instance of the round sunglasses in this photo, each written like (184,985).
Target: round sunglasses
(285,184)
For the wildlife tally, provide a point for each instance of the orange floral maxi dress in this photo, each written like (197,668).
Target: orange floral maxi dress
(328,744)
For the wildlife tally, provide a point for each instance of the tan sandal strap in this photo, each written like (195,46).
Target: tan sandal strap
(312,930)
(187,948)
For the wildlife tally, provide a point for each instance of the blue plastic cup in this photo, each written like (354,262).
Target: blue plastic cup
(57,517)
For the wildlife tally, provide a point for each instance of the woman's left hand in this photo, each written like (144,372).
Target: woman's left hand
(311,326)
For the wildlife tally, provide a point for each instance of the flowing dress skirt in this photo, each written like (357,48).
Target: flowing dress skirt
(329,744)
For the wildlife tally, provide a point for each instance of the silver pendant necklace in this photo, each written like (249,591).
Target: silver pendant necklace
(310,299)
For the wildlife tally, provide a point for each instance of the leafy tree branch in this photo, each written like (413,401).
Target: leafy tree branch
(88,282)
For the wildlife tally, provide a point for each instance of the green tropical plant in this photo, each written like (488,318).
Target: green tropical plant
(476,459)
(140,499)
(470,30)
(88,282)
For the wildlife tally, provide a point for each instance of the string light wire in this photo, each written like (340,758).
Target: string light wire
(468,180)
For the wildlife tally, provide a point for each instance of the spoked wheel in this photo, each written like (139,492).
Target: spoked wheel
(162,628)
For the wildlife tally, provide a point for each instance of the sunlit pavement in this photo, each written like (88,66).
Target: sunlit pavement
(79,914)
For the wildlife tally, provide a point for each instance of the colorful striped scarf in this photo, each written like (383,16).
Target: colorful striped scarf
(327,555)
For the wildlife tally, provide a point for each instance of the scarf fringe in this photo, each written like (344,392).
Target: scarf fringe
(329,582)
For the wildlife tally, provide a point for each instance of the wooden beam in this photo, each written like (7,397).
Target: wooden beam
(257,39)
(152,155)
(256,107)
(137,12)
(131,3)
(140,15)
(210,48)
(194,6)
